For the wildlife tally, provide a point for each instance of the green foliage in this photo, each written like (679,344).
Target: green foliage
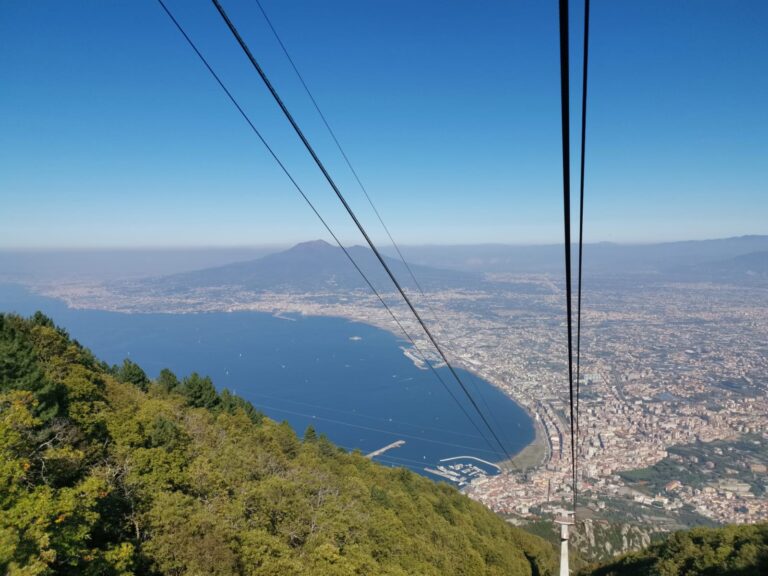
(230,403)
(19,365)
(310,435)
(131,373)
(729,551)
(727,460)
(199,391)
(167,380)
(40,319)
(180,480)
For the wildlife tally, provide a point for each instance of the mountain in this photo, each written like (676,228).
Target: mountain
(603,258)
(105,472)
(751,268)
(728,551)
(436,265)
(312,267)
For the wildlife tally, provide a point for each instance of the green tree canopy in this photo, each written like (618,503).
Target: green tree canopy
(135,479)
(167,380)
(200,391)
(131,373)
(728,551)
(20,368)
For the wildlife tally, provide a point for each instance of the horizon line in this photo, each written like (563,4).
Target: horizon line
(279,245)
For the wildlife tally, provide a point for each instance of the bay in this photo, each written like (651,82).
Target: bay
(349,380)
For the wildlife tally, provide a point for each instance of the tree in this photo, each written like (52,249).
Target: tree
(167,380)
(131,373)
(20,368)
(40,319)
(200,391)
(309,434)
(231,403)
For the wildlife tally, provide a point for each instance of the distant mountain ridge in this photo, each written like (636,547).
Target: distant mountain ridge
(436,266)
(738,260)
(599,258)
(315,266)
(318,266)
(751,268)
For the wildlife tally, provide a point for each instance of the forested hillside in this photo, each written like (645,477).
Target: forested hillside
(103,471)
(729,551)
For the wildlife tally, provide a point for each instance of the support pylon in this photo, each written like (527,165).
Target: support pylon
(565,521)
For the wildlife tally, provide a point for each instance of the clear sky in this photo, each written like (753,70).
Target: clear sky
(113,134)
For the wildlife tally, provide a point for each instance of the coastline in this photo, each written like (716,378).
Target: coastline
(531,456)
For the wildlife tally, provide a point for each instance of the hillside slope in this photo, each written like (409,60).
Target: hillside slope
(105,472)
(728,551)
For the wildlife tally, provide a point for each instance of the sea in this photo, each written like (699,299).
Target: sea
(348,380)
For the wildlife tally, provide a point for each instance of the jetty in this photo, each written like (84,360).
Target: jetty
(380,451)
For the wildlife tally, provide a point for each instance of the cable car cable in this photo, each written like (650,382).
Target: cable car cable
(348,162)
(319,216)
(352,215)
(585,63)
(566,137)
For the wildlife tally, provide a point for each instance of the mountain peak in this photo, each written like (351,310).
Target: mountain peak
(312,245)
(315,266)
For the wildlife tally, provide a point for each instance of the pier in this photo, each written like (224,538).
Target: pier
(380,451)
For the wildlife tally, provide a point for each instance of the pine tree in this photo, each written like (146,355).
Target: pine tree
(131,373)
(200,391)
(167,380)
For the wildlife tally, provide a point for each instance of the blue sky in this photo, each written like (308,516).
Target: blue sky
(113,134)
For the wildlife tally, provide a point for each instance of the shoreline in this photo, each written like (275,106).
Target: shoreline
(537,452)
(531,456)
